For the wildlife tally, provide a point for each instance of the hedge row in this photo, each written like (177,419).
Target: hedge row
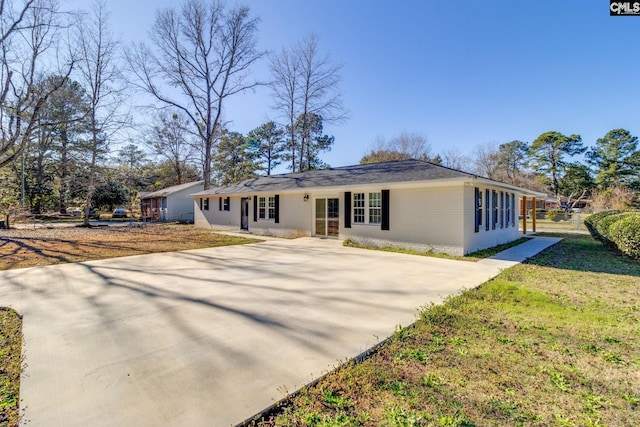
(618,229)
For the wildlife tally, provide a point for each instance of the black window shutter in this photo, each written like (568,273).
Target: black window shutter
(502,209)
(277,209)
(487,209)
(347,209)
(219,203)
(494,204)
(477,202)
(200,203)
(255,208)
(385,210)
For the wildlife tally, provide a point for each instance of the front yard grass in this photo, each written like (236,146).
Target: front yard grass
(551,342)
(37,247)
(10,366)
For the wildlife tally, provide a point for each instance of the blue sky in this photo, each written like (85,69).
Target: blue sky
(463,73)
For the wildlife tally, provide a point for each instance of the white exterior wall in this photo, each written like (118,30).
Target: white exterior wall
(487,238)
(202,218)
(180,205)
(214,217)
(295,216)
(423,219)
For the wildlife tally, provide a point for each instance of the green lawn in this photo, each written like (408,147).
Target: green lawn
(574,223)
(553,342)
(10,365)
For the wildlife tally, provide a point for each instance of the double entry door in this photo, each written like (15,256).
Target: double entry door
(327,221)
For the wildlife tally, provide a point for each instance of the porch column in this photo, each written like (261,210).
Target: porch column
(524,215)
(533,221)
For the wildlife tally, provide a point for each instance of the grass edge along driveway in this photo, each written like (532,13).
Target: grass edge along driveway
(549,342)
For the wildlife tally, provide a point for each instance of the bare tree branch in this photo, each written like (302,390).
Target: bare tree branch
(203,55)
(101,76)
(306,84)
(28,35)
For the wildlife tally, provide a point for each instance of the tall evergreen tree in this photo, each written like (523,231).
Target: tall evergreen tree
(65,113)
(235,160)
(511,159)
(267,141)
(309,128)
(613,158)
(548,156)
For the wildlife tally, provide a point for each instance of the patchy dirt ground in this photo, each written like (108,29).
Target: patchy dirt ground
(45,246)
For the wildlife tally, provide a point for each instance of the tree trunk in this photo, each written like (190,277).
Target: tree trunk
(64,171)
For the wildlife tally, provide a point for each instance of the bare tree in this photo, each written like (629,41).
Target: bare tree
(285,67)
(171,141)
(413,144)
(28,35)
(100,74)
(204,52)
(486,160)
(512,160)
(616,197)
(305,85)
(455,159)
(407,145)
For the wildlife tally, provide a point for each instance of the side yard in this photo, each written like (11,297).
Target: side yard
(37,247)
(551,342)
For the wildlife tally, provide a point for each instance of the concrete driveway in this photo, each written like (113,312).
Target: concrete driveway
(210,337)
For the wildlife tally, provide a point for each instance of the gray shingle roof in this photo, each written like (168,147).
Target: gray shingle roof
(169,190)
(377,173)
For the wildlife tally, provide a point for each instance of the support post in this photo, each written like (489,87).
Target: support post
(524,215)
(533,215)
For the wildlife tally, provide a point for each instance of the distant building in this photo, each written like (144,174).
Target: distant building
(171,203)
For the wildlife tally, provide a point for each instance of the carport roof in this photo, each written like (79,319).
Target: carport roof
(410,170)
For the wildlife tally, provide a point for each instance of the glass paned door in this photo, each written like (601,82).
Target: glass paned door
(333,223)
(321,217)
(327,217)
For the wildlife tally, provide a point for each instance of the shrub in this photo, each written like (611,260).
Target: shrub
(625,233)
(592,223)
(556,215)
(604,225)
